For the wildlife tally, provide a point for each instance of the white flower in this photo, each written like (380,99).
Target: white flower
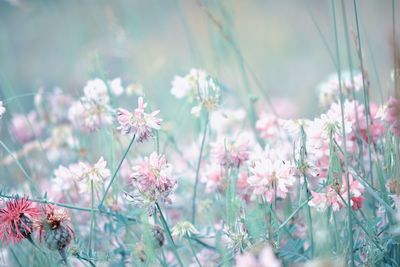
(2,109)
(116,86)
(182,229)
(96,91)
(180,87)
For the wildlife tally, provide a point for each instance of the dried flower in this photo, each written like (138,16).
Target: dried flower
(55,229)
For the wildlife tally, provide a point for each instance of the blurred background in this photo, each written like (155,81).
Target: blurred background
(63,43)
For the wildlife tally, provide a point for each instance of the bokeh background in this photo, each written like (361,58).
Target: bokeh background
(63,43)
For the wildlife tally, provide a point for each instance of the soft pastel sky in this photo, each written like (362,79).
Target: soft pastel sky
(50,43)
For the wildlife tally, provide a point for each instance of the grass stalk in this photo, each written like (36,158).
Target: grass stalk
(350,219)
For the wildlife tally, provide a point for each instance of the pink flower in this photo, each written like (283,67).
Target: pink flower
(331,198)
(59,104)
(92,111)
(321,201)
(266,258)
(16,220)
(233,153)
(152,180)
(268,125)
(392,115)
(139,123)
(26,127)
(267,175)
(214,175)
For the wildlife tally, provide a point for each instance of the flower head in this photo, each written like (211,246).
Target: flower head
(16,220)
(268,176)
(200,88)
(92,111)
(84,173)
(265,258)
(26,127)
(139,122)
(232,153)
(55,228)
(182,229)
(392,115)
(152,181)
(116,87)
(268,125)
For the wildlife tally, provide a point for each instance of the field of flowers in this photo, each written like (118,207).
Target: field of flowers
(204,171)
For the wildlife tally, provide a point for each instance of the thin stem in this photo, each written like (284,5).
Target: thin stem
(198,171)
(292,215)
(28,177)
(394,48)
(192,249)
(350,228)
(166,229)
(91,219)
(365,92)
(73,207)
(116,172)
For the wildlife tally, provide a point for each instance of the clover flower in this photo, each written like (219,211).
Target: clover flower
(336,193)
(269,177)
(152,181)
(85,174)
(265,258)
(92,111)
(199,88)
(139,122)
(183,229)
(25,128)
(392,115)
(231,153)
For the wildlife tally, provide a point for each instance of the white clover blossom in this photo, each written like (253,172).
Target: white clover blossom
(183,229)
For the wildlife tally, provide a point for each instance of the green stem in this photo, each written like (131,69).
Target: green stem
(365,92)
(91,219)
(168,231)
(196,181)
(116,172)
(73,207)
(350,227)
(28,177)
(192,249)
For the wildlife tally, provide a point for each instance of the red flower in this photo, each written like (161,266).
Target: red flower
(16,220)
(357,202)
